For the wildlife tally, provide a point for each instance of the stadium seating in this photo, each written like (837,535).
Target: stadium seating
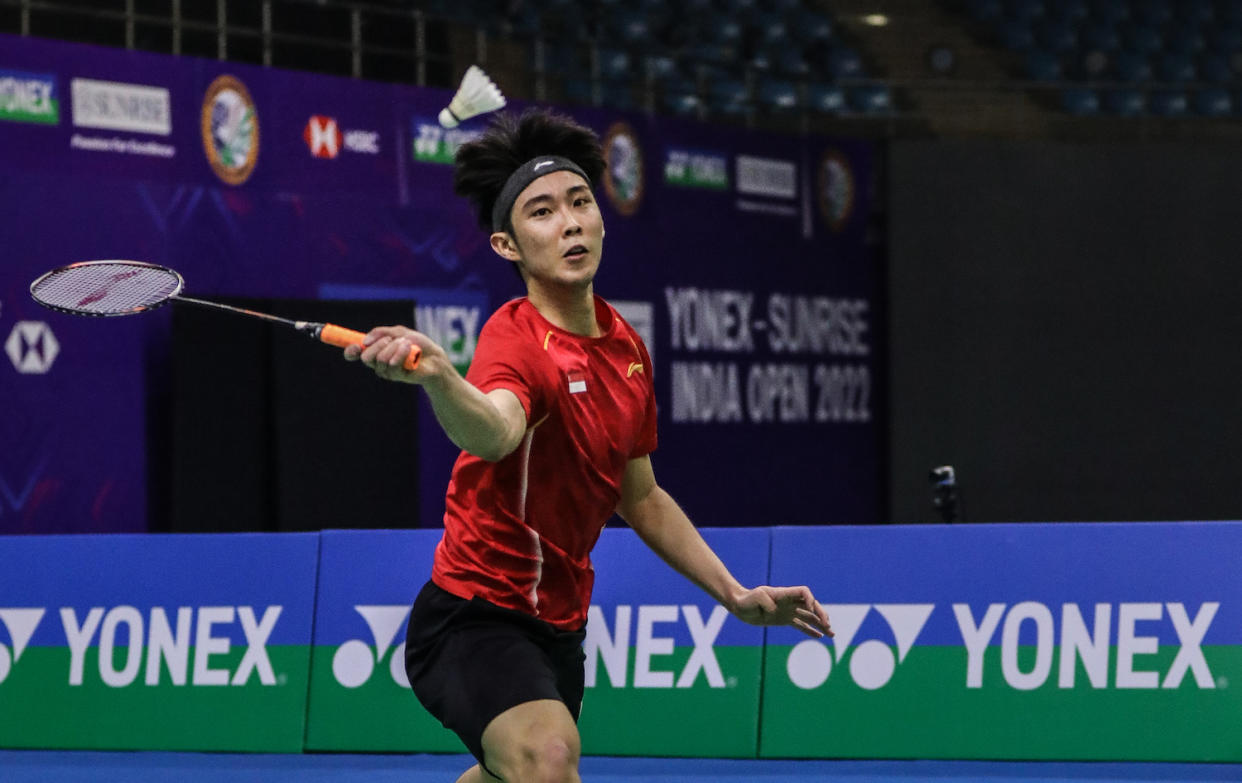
(1080,101)
(1125,102)
(729,96)
(704,57)
(1127,58)
(778,95)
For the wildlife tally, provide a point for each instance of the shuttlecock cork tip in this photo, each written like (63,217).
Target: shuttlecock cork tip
(476,95)
(447,120)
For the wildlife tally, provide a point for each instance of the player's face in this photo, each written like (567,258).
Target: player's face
(558,230)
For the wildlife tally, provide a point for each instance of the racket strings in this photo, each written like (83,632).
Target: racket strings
(107,289)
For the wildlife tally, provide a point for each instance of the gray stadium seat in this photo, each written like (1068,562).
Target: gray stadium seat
(1213,102)
(1168,103)
(1080,101)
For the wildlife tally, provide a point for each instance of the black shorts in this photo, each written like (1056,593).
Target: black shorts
(470,660)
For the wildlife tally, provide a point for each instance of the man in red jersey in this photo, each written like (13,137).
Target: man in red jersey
(556,420)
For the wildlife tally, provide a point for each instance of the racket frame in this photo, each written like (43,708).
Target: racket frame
(174,274)
(330,334)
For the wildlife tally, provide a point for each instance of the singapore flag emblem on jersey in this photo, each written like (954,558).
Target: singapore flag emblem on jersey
(577,383)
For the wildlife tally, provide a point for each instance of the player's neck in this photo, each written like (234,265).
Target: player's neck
(570,309)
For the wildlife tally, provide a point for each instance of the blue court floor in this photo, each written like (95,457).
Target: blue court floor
(152,767)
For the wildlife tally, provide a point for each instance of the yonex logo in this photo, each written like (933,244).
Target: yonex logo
(455,327)
(21,625)
(614,648)
(29,97)
(1108,645)
(32,348)
(872,662)
(1085,641)
(696,170)
(433,144)
(168,644)
(355,660)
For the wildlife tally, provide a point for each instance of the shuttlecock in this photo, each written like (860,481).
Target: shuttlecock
(476,95)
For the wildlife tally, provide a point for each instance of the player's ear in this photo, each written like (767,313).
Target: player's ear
(505,246)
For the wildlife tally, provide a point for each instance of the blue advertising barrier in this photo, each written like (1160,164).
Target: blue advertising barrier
(179,642)
(360,697)
(1061,641)
(1055,641)
(668,670)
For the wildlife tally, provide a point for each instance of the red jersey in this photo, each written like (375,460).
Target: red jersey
(519,532)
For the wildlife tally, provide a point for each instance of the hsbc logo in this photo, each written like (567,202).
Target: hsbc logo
(872,663)
(325,139)
(366,142)
(31,347)
(322,137)
(21,625)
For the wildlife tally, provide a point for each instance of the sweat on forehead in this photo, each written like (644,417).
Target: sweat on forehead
(519,180)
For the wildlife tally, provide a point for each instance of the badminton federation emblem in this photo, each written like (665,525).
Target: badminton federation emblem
(230,125)
(623,170)
(836,189)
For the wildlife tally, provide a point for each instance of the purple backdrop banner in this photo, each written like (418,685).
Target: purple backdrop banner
(747,260)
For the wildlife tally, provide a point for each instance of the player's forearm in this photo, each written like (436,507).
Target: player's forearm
(469,417)
(664,527)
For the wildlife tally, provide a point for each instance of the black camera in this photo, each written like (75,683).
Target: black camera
(945,498)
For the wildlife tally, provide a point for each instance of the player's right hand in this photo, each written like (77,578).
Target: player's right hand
(385,349)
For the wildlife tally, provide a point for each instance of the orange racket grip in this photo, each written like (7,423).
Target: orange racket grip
(341,337)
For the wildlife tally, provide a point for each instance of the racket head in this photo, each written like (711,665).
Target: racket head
(106,288)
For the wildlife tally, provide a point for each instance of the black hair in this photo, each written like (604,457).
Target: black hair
(483,165)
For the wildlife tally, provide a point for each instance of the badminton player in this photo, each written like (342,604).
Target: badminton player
(556,420)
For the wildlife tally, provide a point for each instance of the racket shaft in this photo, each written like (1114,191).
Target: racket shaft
(239,310)
(342,337)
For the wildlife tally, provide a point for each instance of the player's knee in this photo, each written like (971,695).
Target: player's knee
(549,759)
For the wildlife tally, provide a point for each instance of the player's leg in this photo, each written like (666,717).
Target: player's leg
(507,684)
(534,741)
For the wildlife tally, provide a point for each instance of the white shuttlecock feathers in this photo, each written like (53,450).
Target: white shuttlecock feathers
(476,95)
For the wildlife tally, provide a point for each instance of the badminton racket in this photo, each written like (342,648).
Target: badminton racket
(112,288)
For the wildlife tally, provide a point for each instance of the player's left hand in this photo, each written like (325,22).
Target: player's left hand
(792,606)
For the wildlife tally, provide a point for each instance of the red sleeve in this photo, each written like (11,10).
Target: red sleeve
(647,439)
(502,361)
